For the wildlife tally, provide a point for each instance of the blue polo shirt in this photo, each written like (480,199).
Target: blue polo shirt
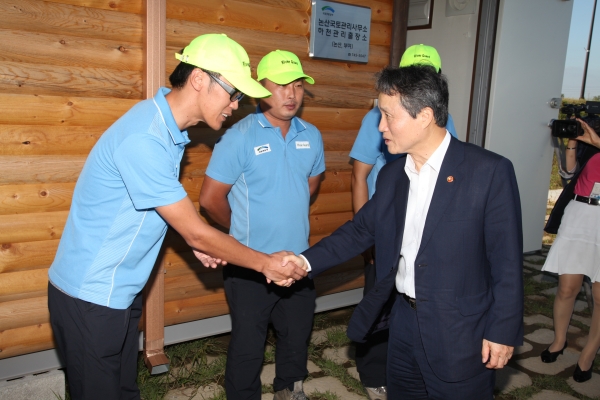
(270,197)
(113,234)
(370,148)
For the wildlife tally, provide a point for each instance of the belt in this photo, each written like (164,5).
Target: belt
(587,200)
(411,302)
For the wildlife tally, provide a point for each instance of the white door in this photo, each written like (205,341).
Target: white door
(531,47)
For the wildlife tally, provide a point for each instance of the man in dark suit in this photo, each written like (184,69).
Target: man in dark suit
(446,223)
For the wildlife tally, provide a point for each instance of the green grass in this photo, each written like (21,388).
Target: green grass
(339,372)
(539,383)
(316,395)
(337,337)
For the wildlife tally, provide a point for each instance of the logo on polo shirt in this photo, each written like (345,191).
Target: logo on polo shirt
(263,148)
(302,144)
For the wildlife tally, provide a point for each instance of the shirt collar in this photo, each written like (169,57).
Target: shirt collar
(296,126)
(436,159)
(177,136)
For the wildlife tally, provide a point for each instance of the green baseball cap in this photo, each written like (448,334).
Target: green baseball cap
(421,54)
(218,53)
(281,67)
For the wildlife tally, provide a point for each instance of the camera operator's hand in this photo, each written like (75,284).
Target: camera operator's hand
(589,135)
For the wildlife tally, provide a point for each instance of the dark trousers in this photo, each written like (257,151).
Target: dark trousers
(253,304)
(409,375)
(98,345)
(371,356)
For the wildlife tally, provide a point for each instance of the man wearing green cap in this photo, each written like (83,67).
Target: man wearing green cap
(127,193)
(258,184)
(369,155)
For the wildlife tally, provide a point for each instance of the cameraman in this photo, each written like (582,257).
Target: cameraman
(576,249)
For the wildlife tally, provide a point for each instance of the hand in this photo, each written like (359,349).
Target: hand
(207,260)
(495,355)
(282,271)
(589,135)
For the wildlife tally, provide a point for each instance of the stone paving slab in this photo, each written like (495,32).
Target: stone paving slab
(532,266)
(580,305)
(508,379)
(523,349)
(584,320)
(564,361)
(538,319)
(545,278)
(551,395)
(45,386)
(318,337)
(581,342)
(331,385)
(203,393)
(353,373)
(590,388)
(340,355)
(544,336)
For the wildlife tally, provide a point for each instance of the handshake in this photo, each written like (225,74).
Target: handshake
(282,268)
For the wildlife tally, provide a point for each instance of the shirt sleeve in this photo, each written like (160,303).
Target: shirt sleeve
(319,165)
(450,126)
(367,146)
(149,171)
(228,158)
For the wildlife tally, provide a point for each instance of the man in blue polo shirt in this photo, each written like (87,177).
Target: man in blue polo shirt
(369,155)
(127,193)
(258,184)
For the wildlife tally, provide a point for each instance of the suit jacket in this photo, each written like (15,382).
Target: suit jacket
(468,270)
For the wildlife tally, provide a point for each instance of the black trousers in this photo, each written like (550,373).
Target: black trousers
(410,376)
(253,304)
(98,345)
(371,356)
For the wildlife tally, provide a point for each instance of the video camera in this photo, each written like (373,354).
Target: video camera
(570,128)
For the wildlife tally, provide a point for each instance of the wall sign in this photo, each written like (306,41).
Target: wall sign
(339,31)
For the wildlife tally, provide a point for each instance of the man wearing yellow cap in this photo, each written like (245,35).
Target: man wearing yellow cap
(126,195)
(258,184)
(369,155)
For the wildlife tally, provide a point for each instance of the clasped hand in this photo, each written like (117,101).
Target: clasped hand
(284,268)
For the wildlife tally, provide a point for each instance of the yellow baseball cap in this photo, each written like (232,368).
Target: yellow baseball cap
(281,67)
(421,54)
(216,52)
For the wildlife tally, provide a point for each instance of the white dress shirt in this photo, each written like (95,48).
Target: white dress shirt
(420,192)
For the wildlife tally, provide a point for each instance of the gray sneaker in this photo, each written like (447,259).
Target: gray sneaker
(287,394)
(377,393)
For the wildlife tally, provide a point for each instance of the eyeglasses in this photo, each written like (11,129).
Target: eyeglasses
(234,94)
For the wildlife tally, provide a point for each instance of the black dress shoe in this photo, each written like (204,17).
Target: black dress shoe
(582,376)
(549,357)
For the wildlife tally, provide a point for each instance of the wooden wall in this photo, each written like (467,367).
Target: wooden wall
(70,68)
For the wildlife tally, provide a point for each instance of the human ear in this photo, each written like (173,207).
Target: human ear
(426,116)
(196,79)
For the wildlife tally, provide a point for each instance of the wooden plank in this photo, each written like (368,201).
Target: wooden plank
(32,227)
(242,15)
(61,110)
(338,160)
(23,282)
(48,140)
(28,339)
(195,308)
(28,78)
(66,19)
(380,10)
(22,199)
(24,312)
(338,97)
(127,6)
(335,182)
(327,203)
(27,255)
(327,223)
(333,118)
(338,140)
(33,47)
(301,5)
(40,169)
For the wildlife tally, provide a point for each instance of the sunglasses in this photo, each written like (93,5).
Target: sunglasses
(234,94)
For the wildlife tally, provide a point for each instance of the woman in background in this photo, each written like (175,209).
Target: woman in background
(576,249)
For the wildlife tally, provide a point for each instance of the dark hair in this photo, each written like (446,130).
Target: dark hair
(418,86)
(182,72)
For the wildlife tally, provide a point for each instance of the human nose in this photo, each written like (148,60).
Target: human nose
(234,104)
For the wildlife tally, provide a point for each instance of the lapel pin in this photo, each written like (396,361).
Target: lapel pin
(450,178)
